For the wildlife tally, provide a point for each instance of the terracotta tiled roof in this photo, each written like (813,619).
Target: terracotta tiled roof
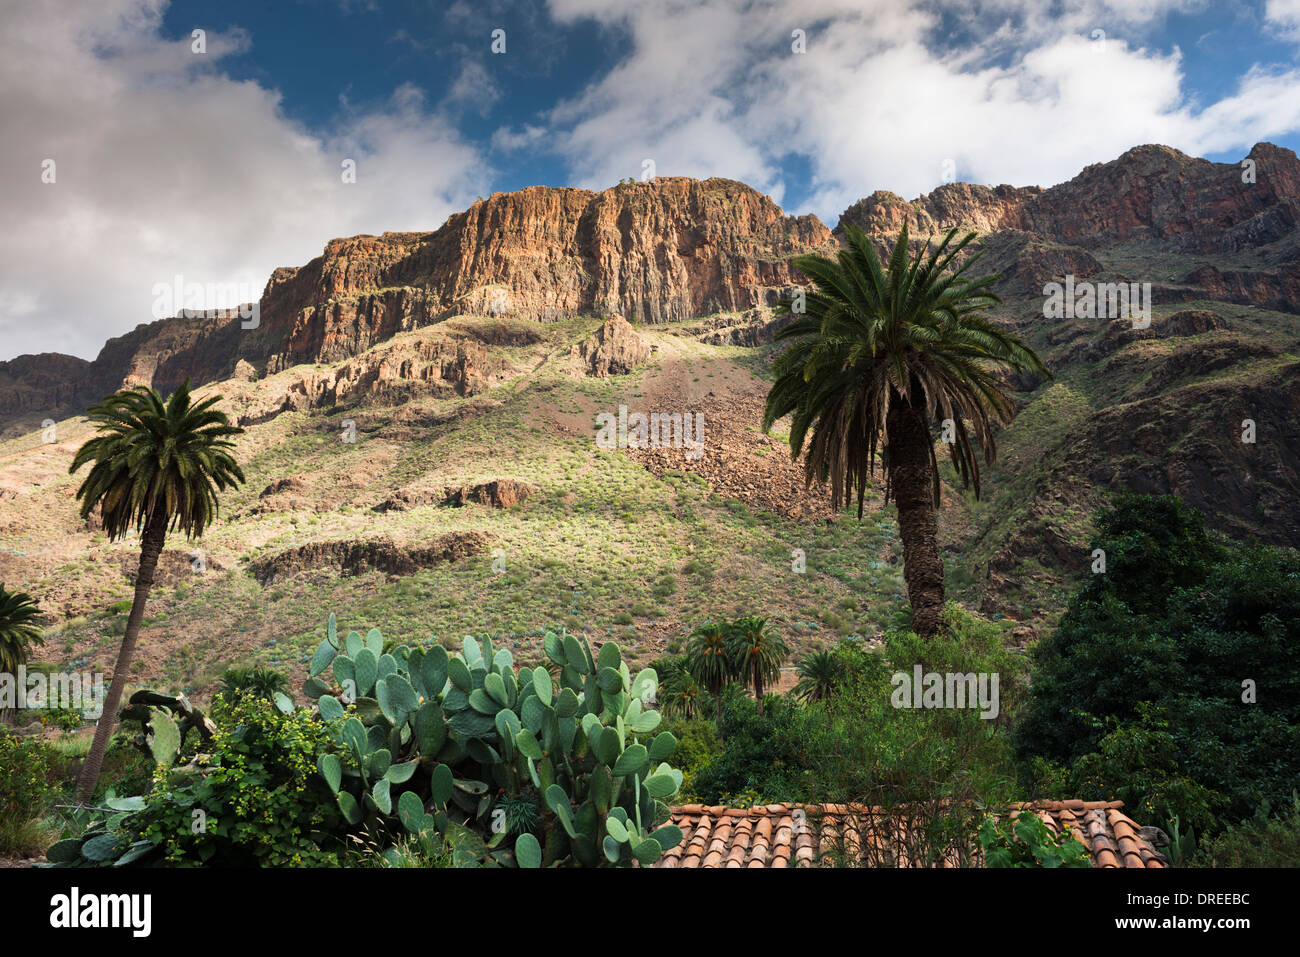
(791,835)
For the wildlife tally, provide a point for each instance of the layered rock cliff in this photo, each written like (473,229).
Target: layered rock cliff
(654,252)
(670,249)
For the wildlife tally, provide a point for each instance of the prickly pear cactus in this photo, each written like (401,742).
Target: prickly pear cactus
(506,767)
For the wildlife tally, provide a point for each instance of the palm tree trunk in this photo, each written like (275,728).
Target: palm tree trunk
(151,544)
(912,484)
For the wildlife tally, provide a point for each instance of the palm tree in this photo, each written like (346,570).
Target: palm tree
(679,693)
(709,661)
(158,465)
(819,673)
(18,632)
(258,681)
(757,654)
(878,355)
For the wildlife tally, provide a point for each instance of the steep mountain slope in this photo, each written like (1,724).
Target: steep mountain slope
(421,414)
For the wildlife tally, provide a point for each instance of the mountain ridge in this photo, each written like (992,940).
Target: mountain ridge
(672,249)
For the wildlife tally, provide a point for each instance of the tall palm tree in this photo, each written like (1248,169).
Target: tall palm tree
(158,465)
(709,661)
(879,354)
(18,633)
(757,653)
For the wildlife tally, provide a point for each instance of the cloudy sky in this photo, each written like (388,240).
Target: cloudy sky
(131,152)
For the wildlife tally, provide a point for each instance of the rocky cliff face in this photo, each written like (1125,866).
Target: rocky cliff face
(34,386)
(667,250)
(1149,193)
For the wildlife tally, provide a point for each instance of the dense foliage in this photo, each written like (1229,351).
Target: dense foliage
(1261,841)
(1025,841)
(254,799)
(1173,681)
(26,786)
(855,745)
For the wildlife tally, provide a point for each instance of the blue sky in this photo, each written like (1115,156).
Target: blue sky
(328,57)
(222,164)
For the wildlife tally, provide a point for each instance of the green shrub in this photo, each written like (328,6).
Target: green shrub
(1261,841)
(27,787)
(257,800)
(65,719)
(697,744)
(927,770)
(1173,680)
(760,758)
(1026,841)
(126,769)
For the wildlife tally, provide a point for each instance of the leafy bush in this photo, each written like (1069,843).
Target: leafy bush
(1261,841)
(760,759)
(924,769)
(1026,841)
(65,719)
(27,786)
(697,744)
(1139,763)
(1173,680)
(256,801)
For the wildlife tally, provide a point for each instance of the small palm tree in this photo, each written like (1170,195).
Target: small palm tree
(18,632)
(757,653)
(680,695)
(709,661)
(878,355)
(819,673)
(256,682)
(157,465)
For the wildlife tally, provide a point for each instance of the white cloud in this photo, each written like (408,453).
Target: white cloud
(887,92)
(167,166)
(473,89)
(507,139)
(1285,15)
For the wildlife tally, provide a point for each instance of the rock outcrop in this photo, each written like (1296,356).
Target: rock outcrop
(615,349)
(670,249)
(498,493)
(377,554)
